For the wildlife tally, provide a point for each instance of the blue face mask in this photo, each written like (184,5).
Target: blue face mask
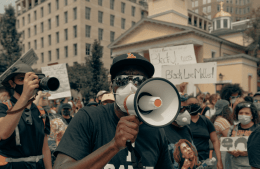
(183,119)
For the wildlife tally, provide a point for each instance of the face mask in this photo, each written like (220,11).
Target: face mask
(257,105)
(195,109)
(243,119)
(122,92)
(66,112)
(233,100)
(183,119)
(18,89)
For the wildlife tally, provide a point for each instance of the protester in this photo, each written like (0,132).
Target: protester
(247,115)
(203,98)
(66,110)
(93,104)
(230,93)
(97,136)
(24,145)
(249,99)
(4,95)
(222,121)
(212,100)
(256,97)
(253,148)
(99,96)
(203,130)
(107,98)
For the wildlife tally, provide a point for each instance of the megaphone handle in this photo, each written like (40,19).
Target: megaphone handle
(135,157)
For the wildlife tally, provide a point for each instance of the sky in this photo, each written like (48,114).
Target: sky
(5,2)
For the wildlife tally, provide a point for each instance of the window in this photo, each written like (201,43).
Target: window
(75,49)
(218,8)
(225,23)
(196,11)
(88,49)
(42,42)
(29,45)
(23,21)
(75,13)
(227,1)
(240,3)
(23,48)
(196,3)
(133,23)
(231,9)
(49,7)
(57,37)
(66,51)
(57,4)
(42,56)
(112,4)
(42,12)
(100,2)
(209,8)
(237,10)
(66,34)
(245,11)
(133,11)
(248,9)
(122,23)
(18,23)
(75,31)
(213,54)
(57,20)
(29,18)
(205,9)
(35,44)
(204,2)
(100,34)
(23,35)
(35,30)
(49,53)
(122,7)
(87,13)
(42,28)
(112,36)
(58,54)
(192,4)
(65,2)
(35,15)
(218,24)
(87,0)
(240,11)
(66,17)
(88,30)
(49,22)
(227,9)
(49,37)
(29,32)
(112,20)
(100,16)
(236,2)
(209,1)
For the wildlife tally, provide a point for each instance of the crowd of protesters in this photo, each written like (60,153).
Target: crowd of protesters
(192,139)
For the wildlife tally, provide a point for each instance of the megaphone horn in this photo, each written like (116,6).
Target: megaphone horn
(156,102)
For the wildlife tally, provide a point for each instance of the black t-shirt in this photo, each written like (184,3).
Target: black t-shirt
(174,134)
(31,137)
(201,134)
(253,148)
(93,127)
(205,110)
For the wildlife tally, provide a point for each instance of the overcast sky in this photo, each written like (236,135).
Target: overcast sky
(5,2)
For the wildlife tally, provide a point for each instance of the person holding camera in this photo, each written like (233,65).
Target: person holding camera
(97,137)
(24,126)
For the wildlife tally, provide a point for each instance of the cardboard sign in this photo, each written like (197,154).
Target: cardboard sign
(174,55)
(233,143)
(201,73)
(60,72)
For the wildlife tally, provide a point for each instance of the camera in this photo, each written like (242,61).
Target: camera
(48,83)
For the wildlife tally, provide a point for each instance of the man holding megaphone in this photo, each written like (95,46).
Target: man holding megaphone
(97,137)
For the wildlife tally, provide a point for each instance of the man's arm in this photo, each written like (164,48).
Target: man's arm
(46,153)
(10,121)
(127,129)
(216,145)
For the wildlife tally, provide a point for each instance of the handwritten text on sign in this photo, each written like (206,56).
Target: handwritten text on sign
(200,73)
(174,55)
(60,72)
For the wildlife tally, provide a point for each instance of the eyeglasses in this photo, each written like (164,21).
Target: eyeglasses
(243,105)
(234,97)
(255,100)
(123,80)
(183,108)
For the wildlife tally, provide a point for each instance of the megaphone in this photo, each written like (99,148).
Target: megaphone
(156,102)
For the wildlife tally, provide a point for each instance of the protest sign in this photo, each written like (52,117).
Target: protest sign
(60,72)
(201,73)
(233,143)
(174,55)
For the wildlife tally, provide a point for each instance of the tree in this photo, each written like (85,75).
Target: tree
(9,39)
(253,32)
(91,77)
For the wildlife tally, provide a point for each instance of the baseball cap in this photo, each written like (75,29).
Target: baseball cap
(220,105)
(101,92)
(92,103)
(17,69)
(106,97)
(66,106)
(257,93)
(121,61)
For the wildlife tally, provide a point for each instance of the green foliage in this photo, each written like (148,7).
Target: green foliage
(91,77)
(9,39)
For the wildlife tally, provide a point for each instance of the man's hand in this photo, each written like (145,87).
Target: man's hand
(235,153)
(127,129)
(183,86)
(31,82)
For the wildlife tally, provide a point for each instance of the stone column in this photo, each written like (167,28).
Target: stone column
(192,20)
(198,22)
(27,5)
(33,3)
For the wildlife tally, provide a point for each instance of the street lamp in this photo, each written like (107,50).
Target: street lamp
(220,76)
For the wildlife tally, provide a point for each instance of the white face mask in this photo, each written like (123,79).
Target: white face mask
(183,119)
(244,119)
(122,92)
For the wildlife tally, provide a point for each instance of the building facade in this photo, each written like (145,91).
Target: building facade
(239,9)
(62,31)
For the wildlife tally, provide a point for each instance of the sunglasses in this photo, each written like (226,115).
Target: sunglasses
(255,100)
(183,108)
(234,97)
(123,80)
(243,105)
